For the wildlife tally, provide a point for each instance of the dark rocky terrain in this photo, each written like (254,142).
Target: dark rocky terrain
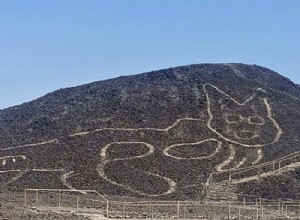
(156,135)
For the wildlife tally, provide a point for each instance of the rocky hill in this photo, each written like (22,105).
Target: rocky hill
(157,135)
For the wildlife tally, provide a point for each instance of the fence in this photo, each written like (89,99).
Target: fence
(235,206)
(89,201)
(240,175)
(63,200)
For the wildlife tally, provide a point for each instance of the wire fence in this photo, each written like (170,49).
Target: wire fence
(227,205)
(240,175)
(61,200)
(88,201)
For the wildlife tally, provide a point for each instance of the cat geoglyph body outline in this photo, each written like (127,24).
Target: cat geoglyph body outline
(167,151)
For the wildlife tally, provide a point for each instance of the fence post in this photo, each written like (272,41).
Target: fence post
(77,204)
(262,210)
(178,210)
(279,166)
(124,210)
(25,198)
(37,197)
(151,205)
(244,200)
(257,209)
(239,212)
(229,180)
(59,201)
(229,211)
(107,209)
(260,202)
(94,203)
(273,166)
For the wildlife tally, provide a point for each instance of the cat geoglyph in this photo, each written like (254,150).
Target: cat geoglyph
(241,128)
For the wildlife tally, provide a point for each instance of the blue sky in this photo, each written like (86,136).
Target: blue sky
(50,44)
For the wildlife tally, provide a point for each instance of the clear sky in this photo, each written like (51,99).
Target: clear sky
(50,44)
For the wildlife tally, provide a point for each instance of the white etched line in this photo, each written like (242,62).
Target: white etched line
(228,96)
(47,170)
(267,174)
(241,163)
(136,129)
(150,150)
(64,178)
(259,157)
(270,116)
(229,159)
(168,154)
(31,145)
(104,161)
(5,159)
(10,171)
(16,156)
(16,177)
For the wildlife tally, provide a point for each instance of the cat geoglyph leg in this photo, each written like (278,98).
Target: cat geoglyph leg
(231,157)
(259,157)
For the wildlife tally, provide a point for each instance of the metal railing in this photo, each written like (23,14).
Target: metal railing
(64,200)
(90,201)
(242,207)
(270,168)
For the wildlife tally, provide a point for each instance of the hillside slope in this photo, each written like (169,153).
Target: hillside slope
(156,134)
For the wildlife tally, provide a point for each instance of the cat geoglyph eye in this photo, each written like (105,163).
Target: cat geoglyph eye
(256,120)
(233,118)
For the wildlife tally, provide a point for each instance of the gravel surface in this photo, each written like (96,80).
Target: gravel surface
(12,208)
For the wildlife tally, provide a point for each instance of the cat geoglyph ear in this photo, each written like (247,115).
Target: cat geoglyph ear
(216,96)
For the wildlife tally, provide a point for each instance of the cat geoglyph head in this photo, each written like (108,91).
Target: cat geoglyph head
(249,123)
